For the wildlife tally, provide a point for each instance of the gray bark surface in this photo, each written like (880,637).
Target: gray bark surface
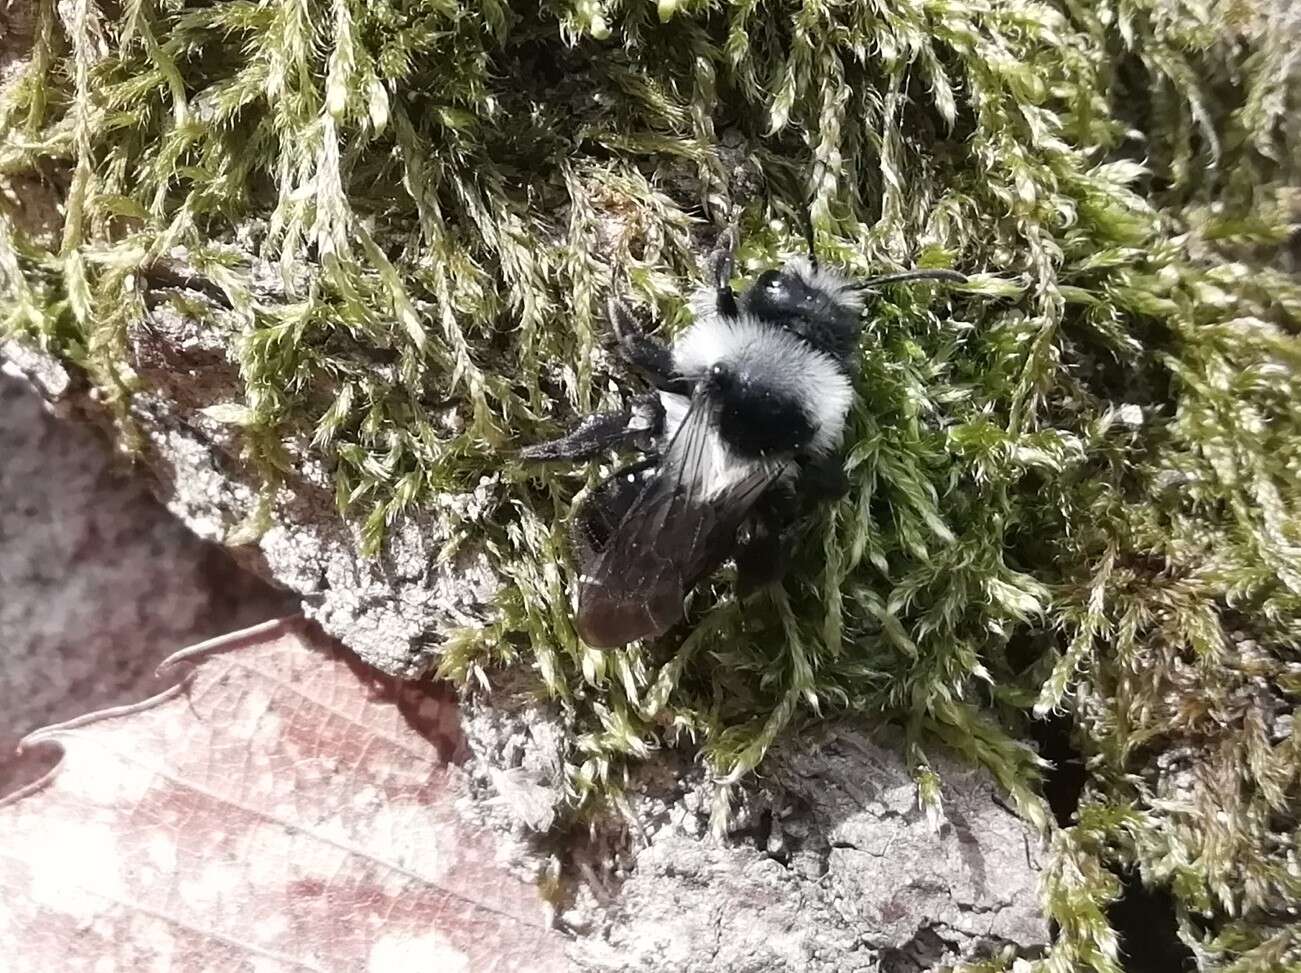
(834,868)
(98,583)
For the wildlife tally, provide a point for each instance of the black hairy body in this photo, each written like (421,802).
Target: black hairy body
(740,437)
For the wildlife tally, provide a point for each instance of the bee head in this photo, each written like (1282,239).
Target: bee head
(817,305)
(777,294)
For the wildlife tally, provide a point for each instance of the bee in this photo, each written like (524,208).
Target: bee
(739,436)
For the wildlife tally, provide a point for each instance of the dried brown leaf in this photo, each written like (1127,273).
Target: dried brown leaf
(280,807)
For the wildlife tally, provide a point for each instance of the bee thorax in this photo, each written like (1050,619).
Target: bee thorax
(756,417)
(772,392)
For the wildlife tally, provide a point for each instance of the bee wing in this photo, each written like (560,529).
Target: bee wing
(676,531)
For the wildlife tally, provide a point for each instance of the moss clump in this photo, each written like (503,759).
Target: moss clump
(1076,481)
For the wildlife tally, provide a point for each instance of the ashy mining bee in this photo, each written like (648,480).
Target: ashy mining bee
(740,437)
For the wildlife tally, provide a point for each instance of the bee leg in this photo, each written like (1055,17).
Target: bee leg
(811,236)
(722,265)
(761,560)
(763,555)
(649,356)
(823,479)
(635,427)
(604,509)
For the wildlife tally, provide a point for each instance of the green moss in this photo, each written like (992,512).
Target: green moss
(1075,479)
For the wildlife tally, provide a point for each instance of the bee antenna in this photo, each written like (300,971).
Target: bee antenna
(952,276)
(810,238)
